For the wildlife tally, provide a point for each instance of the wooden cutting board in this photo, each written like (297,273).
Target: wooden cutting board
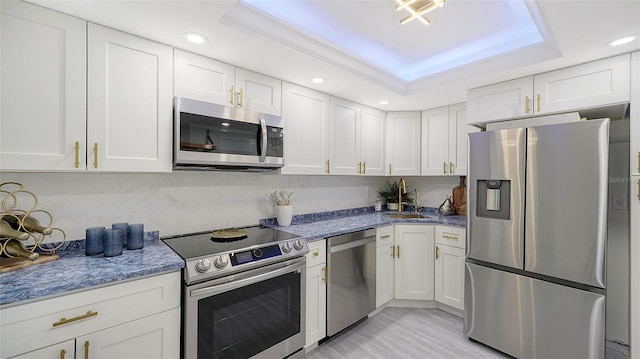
(460,198)
(9,264)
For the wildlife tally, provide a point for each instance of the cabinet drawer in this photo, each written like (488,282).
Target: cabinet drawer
(451,236)
(317,252)
(38,324)
(384,236)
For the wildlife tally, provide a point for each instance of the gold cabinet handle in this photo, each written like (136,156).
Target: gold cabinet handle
(95,155)
(324,275)
(385,236)
(638,190)
(393,251)
(240,100)
(538,102)
(398,251)
(77,149)
(638,161)
(526,104)
(328,166)
(315,253)
(437,252)
(359,168)
(389,168)
(86,349)
(62,353)
(231,95)
(452,238)
(444,168)
(450,168)
(364,168)
(63,321)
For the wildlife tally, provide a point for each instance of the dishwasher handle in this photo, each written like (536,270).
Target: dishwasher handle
(349,245)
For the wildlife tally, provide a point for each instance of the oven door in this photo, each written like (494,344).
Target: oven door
(259,313)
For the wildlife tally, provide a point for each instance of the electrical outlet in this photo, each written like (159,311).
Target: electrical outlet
(620,201)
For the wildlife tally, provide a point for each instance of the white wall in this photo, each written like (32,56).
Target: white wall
(183,202)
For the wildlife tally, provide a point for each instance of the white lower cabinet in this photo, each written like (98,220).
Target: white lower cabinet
(316,295)
(414,255)
(385,274)
(449,266)
(136,319)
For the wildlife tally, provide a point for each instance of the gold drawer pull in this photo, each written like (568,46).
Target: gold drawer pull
(95,155)
(450,168)
(63,320)
(393,251)
(315,253)
(444,168)
(453,238)
(526,106)
(437,252)
(398,251)
(86,349)
(385,236)
(324,275)
(77,151)
(538,102)
(62,353)
(231,95)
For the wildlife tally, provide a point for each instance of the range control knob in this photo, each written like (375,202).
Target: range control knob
(298,245)
(221,262)
(257,252)
(286,247)
(203,265)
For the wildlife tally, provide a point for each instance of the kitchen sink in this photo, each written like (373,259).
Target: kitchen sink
(406,215)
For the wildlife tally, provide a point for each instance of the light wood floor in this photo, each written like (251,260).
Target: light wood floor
(404,333)
(410,333)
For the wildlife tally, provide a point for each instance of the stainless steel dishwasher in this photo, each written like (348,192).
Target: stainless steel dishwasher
(351,291)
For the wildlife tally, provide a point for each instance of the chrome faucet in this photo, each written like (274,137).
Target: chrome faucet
(402,188)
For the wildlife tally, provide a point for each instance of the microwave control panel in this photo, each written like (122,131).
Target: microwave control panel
(275,139)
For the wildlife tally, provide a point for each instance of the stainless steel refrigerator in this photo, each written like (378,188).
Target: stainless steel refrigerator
(536,242)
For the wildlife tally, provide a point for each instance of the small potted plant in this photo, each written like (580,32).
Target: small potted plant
(284,209)
(389,192)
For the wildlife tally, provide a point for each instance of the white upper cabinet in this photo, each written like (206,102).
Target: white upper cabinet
(444,140)
(209,80)
(129,112)
(357,139)
(589,85)
(306,135)
(403,144)
(43,89)
(372,141)
(344,138)
(635,114)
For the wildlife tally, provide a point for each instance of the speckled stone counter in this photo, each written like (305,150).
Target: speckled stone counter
(329,224)
(74,271)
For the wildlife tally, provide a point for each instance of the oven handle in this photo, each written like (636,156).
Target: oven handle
(220,288)
(263,150)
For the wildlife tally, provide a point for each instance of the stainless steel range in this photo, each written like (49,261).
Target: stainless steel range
(243,293)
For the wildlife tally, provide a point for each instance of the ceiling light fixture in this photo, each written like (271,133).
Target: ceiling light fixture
(317,80)
(417,9)
(622,40)
(195,38)
(384,102)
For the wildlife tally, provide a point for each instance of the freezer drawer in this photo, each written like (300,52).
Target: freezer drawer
(496,197)
(566,201)
(530,318)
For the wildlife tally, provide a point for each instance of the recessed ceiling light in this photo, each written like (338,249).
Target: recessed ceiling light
(622,40)
(195,38)
(384,102)
(317,80)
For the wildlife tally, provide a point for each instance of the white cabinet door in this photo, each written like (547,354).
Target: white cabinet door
(459,155)
(403,143)
(449,276)
(385,274)
(435,141)
(634,125)
(372,141)
(414,271)
(306,117)
(258,92)
(129,102)
(64,350)
(589,85)
(344,137)
(153,337)
(316,319)
(204,79)
(500,101)
(43,89)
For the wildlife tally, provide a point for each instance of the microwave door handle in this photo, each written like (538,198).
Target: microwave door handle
(263,149)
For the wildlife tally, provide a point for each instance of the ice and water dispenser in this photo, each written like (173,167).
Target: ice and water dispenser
(493,199)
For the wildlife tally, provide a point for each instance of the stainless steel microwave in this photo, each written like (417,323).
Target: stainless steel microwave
(212,136)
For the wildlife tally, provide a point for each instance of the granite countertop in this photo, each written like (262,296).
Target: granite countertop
(329,224)
(74,271)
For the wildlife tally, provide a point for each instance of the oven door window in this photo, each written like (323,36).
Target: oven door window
(211,134)
(245,321)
